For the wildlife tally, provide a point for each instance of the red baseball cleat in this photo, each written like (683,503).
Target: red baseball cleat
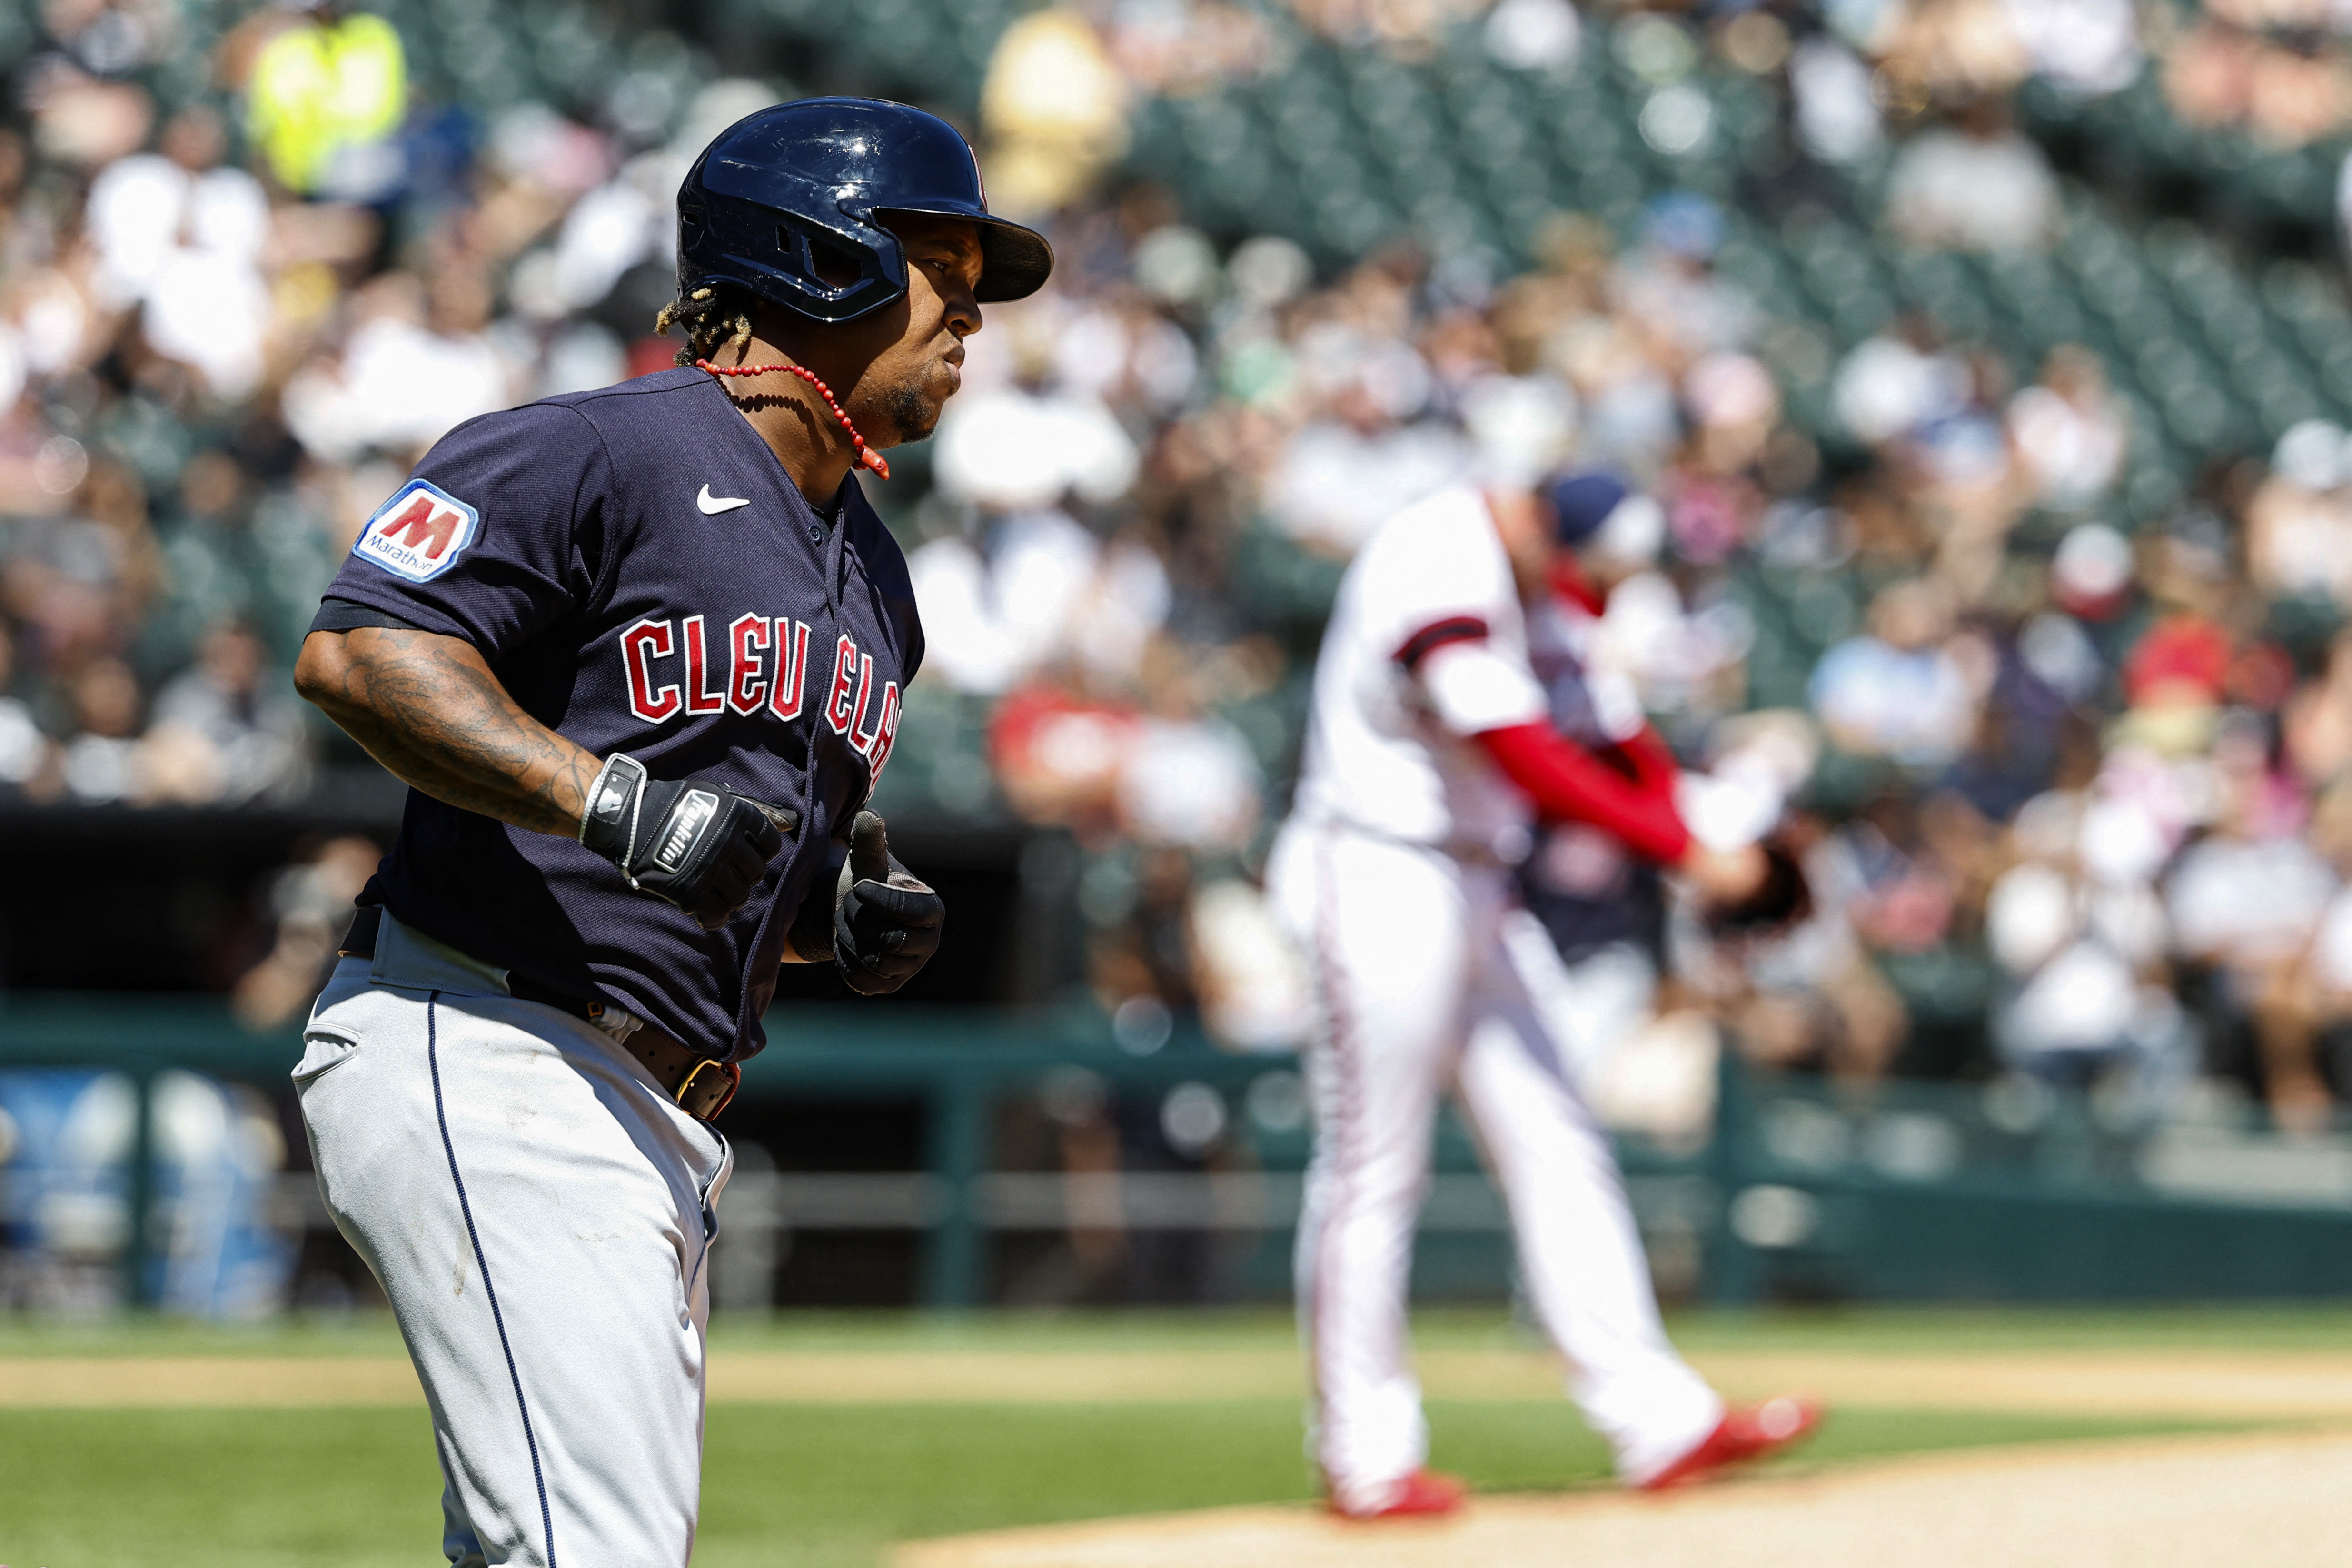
(1743,1435)
(1422,1492)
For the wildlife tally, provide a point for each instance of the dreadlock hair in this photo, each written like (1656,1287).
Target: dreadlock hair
(714,316)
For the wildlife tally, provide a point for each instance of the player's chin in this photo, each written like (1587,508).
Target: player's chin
(914,411)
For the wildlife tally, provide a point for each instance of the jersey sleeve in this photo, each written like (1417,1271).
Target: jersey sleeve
(1572,785)
(1473,686)
(1434,587)
(343,616)
(497,533)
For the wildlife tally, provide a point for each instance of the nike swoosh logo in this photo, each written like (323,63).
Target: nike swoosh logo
(712,505)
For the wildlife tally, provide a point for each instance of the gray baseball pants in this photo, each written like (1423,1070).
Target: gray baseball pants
(541,1217)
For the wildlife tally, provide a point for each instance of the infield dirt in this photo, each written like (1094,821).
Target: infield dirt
(2269,1500)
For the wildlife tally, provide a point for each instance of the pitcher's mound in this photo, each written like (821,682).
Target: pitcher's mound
(2279,1502)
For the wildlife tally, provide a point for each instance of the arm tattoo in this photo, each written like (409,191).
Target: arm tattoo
(428,708)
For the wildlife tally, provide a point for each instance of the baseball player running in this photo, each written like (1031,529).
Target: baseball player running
(1429,755)
(639,655)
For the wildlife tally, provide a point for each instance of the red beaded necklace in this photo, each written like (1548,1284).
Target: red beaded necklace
(867,457)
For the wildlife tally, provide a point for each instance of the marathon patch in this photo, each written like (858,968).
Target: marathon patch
(420,533)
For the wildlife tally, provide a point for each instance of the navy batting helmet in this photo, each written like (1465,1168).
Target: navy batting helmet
(785,203)
(1580,503)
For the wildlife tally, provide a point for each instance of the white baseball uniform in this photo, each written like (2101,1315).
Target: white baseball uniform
(1393,873)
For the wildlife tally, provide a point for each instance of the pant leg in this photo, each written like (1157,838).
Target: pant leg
(1382,928)
(1591,1006)
(538,1214)
(1578,1249)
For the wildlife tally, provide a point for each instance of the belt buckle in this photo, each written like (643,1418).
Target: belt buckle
(730,1079)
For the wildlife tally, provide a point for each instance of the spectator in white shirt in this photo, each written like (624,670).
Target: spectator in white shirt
(2069,430)
(1908,689)
(1974,186)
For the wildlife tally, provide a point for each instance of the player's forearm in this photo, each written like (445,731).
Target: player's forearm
(428,708)
(1565,783)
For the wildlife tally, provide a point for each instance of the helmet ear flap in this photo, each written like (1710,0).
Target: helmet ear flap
(832,264)
(835,273)
(824,260)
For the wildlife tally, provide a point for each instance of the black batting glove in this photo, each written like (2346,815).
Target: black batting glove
(886,923)
(700,846)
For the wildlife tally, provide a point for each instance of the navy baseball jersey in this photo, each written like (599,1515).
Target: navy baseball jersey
(643,576)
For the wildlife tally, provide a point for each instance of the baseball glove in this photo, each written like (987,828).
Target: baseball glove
(1782,899)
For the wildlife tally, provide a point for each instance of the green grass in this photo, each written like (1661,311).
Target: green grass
(2320,1326)
(2261,1326)
(784,1487)
(826,1487)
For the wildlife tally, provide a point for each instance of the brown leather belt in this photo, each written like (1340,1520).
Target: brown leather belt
(700,1086)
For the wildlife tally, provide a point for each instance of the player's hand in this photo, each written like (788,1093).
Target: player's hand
(886,923)
(700,846)
(1723,876)
(1765,895)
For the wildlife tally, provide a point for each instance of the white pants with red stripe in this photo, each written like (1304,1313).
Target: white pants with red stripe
(1418,997)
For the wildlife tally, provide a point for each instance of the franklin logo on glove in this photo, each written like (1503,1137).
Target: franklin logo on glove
(685,823)
(710,849)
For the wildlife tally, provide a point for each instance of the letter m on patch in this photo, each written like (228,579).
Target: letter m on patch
(422,522)
(420,533)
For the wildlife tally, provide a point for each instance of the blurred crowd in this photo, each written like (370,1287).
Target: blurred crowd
(228,325)
(2276,69)
(2075,804)
(2077,801)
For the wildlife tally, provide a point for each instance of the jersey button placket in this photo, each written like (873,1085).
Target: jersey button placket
(836,564)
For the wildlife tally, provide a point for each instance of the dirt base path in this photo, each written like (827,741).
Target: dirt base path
(2272,1500)
(2218,1384)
